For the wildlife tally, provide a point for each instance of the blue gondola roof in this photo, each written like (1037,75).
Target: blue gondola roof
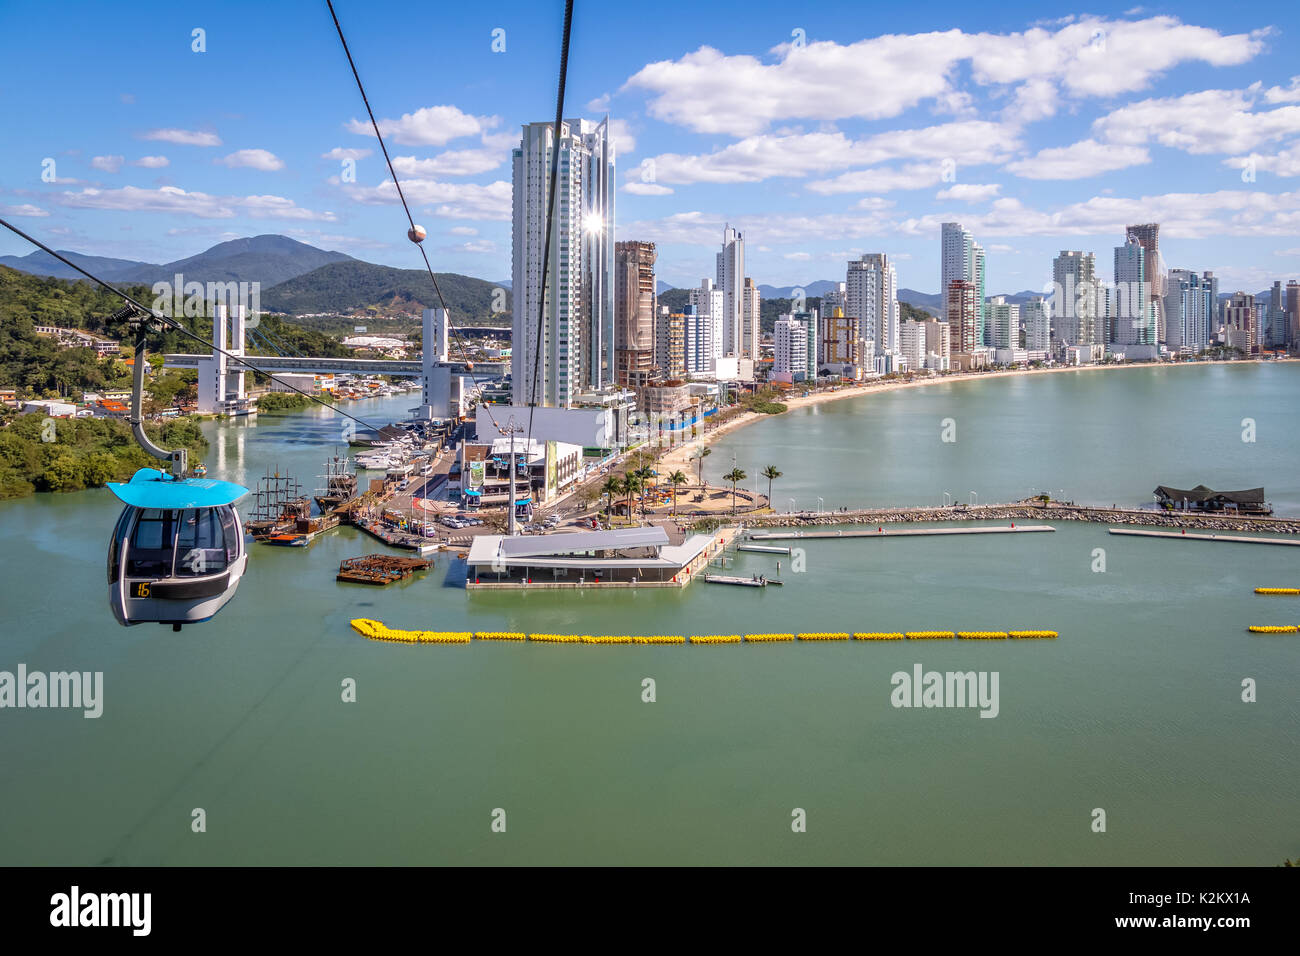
(151,488)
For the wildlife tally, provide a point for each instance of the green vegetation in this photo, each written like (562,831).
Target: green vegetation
(908,311)
(355,286)
(285,402)
(84,452)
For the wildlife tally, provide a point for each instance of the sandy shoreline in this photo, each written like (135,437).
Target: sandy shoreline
(680,457)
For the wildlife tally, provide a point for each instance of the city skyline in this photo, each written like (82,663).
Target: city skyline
(1025,131)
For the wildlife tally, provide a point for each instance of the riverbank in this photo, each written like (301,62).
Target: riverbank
(681,456)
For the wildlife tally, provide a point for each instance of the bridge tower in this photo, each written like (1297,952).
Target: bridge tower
(221,382)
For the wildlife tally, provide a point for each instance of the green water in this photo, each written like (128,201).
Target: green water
(1135,709)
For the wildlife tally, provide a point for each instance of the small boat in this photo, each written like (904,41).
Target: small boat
(287,540)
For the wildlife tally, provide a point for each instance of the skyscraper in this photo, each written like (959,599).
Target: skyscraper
(710,306)
(1134,312)
(1036,316)
(1153,268)
(962,316)
(1239,322)
(731,279)
(961,257)
(634,312)
(1004,323)
(670,343)
(871,296)
(575,349)
(750,320)
(1189,311)
(1074,299)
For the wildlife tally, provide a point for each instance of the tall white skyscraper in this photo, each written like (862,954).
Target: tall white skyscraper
(1036,316)
(731,280)
(1004,323)
(710,307)
(871,296)
(750,319)
(1189,310)
(961,257)
(1074,298)
(575,351)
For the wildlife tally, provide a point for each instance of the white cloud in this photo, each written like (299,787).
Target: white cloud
(1278,94)
(1079,160)
(341,152)
(621,133)
(463,231)
(171,199)
(25,209)
(261,159)
(1211,121)
(484,246)
(969,192)
(881,180)
(183,137)
(428,126)
(647,189)
(1285,162)
(454,162)
(452,200)
(755,158)
(151,162)
(599,104)
(877,78)
(798,256)
(107,164)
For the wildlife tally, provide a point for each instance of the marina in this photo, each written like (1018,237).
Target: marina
(882,532)
(1183,535)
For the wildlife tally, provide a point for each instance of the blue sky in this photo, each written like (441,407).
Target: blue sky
(823,131)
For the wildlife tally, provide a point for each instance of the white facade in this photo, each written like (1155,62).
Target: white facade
(710,304)
(1004,323)
(221,382)
(577,344)
(790,341)
(1190,310)
(1037,319)
(871,296)
(1074,298)
(912,343)
(731,282)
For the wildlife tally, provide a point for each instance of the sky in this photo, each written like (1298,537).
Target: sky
(822,131)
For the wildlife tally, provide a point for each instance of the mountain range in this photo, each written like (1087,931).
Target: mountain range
(266,259)
(295,278)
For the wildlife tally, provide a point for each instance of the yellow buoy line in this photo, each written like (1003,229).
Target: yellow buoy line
(1277,590)
(378,631)
(1275,628)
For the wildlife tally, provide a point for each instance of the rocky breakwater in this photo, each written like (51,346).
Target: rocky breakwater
(1024,512)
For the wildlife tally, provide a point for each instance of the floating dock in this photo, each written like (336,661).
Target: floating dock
(379,569)
(758,582)
(881,532)
(763,549)
(1236,538)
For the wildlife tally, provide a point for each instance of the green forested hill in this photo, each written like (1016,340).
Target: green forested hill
(349,287)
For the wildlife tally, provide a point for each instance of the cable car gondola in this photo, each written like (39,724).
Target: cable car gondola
(177,553)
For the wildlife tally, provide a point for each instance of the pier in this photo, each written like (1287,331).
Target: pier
(1235,538)
(880,532)
(755,582)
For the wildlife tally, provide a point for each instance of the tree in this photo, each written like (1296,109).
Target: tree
(770,473)
(735,476)
(676,479)
(611,489)
(699,457)
(632,483)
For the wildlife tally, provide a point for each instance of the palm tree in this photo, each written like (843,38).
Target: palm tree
(699,457)
(612,487)
(770,473)
(735,476)
(675,479)
(643,476)
(632,483)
